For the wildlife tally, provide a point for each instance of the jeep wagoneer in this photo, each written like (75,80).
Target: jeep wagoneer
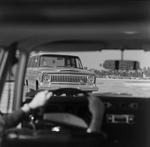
(54,71)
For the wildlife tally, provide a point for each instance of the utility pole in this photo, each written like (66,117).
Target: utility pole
(122,51)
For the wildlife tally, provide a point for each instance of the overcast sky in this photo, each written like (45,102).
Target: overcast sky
(93,59)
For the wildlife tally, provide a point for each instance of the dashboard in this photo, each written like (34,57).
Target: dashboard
(126,120)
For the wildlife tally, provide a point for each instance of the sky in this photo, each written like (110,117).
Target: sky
(93,59)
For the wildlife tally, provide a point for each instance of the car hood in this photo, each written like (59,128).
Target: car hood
(64,70)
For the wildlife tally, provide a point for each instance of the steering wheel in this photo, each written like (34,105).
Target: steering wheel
(66,120)
(70,92)
(70,129)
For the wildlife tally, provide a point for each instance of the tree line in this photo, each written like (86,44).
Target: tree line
(126,71)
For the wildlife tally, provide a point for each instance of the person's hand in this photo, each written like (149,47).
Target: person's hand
(96,107)
(40,99)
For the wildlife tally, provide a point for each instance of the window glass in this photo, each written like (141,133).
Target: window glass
(134,82)
(8,90)
(79,65)
(36,61)
(29,63)
(1,55)
(68,63)
(73,62)
(61,61)
(32,61)
(52,61)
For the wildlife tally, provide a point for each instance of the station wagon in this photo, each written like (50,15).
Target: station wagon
(53,71)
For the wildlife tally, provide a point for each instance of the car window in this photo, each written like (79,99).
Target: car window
(51,61)
(30,62)
(79,64)
(1,55)
(129,82)
(8,90)
(60,61)
(36,61)
(33,62)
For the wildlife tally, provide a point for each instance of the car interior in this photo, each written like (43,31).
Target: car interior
(70,26)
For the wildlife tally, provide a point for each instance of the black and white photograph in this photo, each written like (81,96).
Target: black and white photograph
(74,73)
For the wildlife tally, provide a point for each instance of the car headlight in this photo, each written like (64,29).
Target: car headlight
(46,78)
(90,79)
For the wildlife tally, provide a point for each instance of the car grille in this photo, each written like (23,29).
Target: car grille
(68,78)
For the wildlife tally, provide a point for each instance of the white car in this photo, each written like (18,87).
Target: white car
(54,71)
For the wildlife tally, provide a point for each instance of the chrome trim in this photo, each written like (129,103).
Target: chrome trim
(55,78)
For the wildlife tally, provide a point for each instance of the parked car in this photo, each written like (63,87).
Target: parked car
(53,71)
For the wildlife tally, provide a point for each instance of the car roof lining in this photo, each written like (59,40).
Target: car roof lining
(112,25)
(28,39)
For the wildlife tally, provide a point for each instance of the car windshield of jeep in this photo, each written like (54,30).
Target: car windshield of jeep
(60,61)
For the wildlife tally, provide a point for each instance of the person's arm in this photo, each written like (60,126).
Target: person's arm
(13,119)
(96,108)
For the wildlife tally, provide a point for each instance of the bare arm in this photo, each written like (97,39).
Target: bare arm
(13,119)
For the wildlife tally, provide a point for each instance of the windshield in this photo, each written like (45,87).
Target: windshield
(111,81)
(60,61)
(130,82)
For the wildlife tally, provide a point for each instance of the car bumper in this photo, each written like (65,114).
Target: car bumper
(58,86)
